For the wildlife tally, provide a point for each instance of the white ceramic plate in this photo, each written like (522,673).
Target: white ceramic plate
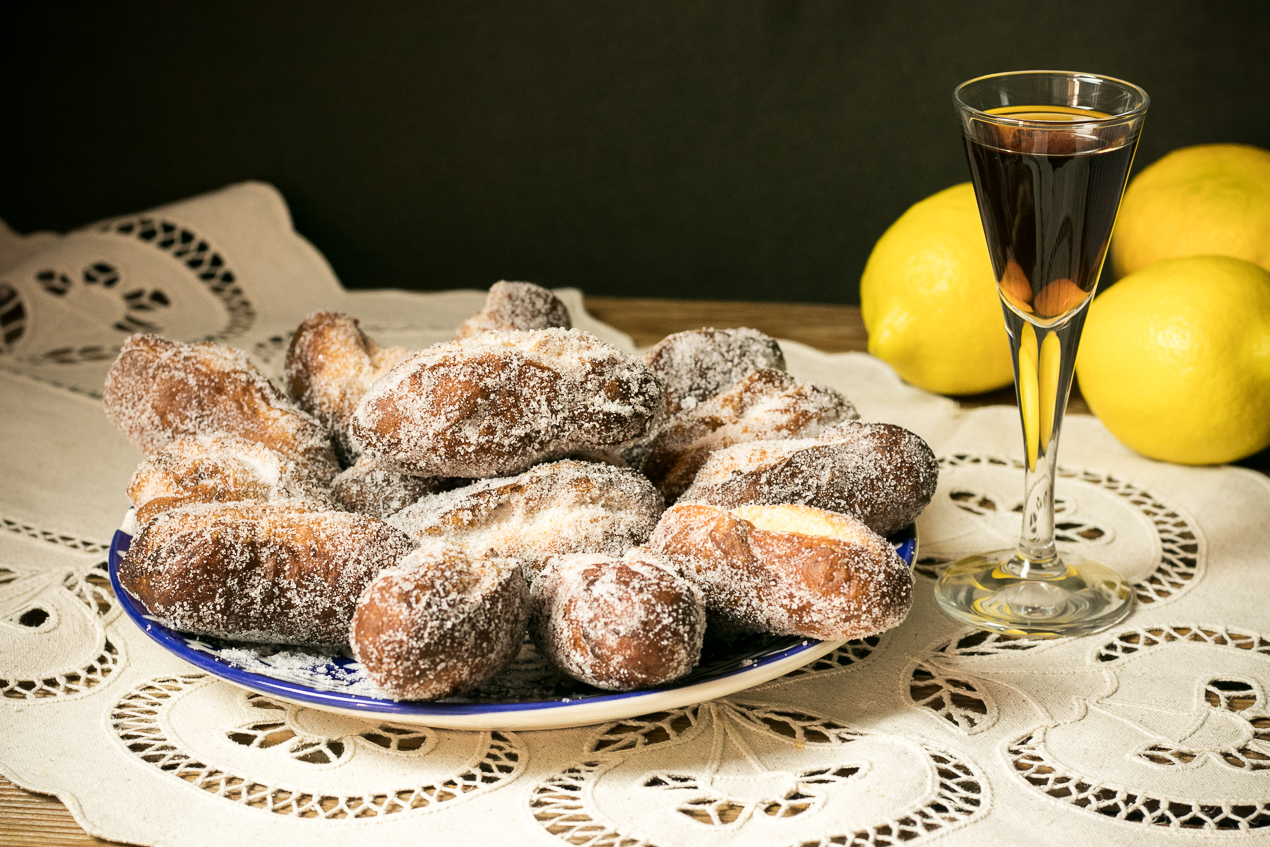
(529,695)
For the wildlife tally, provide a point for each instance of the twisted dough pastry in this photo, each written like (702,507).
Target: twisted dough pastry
(439,623)
(499,402)
(516,305)
(877,472)
(617,624)
(330,364)
(219,469)
(791,570)
(270,572)
(159,390)
(765,404)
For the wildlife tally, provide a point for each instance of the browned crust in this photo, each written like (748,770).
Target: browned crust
(829,587)
(516,305)
(258,572)
(439,624)
(158,390)
(497,403)
(880,473)
(617,624)
(765,404)
(698,364)
(330,363)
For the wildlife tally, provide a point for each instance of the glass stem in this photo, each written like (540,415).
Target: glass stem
(1044,359)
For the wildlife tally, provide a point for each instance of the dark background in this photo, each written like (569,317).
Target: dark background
(721,149)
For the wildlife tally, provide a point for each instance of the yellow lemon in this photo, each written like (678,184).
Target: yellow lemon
(929,298)
(1175,359)
(1208,199)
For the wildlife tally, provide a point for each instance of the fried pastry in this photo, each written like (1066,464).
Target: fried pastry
(765,404)
(276,572)
(499,402)
(330,364)
(219,468)
(380,490)
(617,624)
(439,623)
(878,472)
(551,509)
(159,390)
(789,570)
(516,305)
(696,365)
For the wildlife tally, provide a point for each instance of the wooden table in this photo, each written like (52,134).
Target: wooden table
(27,818)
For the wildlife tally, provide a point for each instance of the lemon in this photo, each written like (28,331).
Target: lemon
(1207,199)
(1175,359)
(929,298)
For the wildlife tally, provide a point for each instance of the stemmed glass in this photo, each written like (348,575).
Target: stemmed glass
(1049,154)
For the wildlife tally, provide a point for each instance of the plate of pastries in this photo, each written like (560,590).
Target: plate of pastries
(520,528)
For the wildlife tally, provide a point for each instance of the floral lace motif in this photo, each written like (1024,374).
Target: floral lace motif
(137,721)
(734,792)
(89,586)
(1227,727)
(207,265)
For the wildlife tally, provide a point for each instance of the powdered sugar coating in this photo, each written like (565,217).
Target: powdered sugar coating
(790,570)
(551,509)
(267,572)
(158,390)
(330,364)
(617,624)
(694,366)
(516,305)
(219,468)
(439,623)
(380,490)
(498,402)
(766,404)
(878,472)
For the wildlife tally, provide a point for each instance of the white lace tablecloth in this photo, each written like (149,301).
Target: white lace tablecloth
(1155,732)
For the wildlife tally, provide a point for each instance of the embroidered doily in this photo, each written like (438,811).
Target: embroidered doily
(1157,731)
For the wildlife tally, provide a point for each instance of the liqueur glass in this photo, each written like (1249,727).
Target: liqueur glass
(1049,154)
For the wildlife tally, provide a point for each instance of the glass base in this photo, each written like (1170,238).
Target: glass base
(1002,592)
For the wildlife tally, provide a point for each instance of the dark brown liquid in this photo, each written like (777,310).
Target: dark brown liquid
(1048,197)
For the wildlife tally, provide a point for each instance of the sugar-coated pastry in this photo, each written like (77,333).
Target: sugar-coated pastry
(790,570)
(694,366)
(219,468)
(330,364)
(552,509)
(159,390)
(268,572)
(373,488)
(765,404)
(498,402)
(439,623)
(517,305)
(617,623)
(878,472)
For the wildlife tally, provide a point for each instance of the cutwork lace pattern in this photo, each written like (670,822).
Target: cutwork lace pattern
(1034,765)
(36,533)
(91,587)
(207,265)
(143,307)
(561,803)
(136,721)
(1180,562)
(952,698)
(1239,697)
